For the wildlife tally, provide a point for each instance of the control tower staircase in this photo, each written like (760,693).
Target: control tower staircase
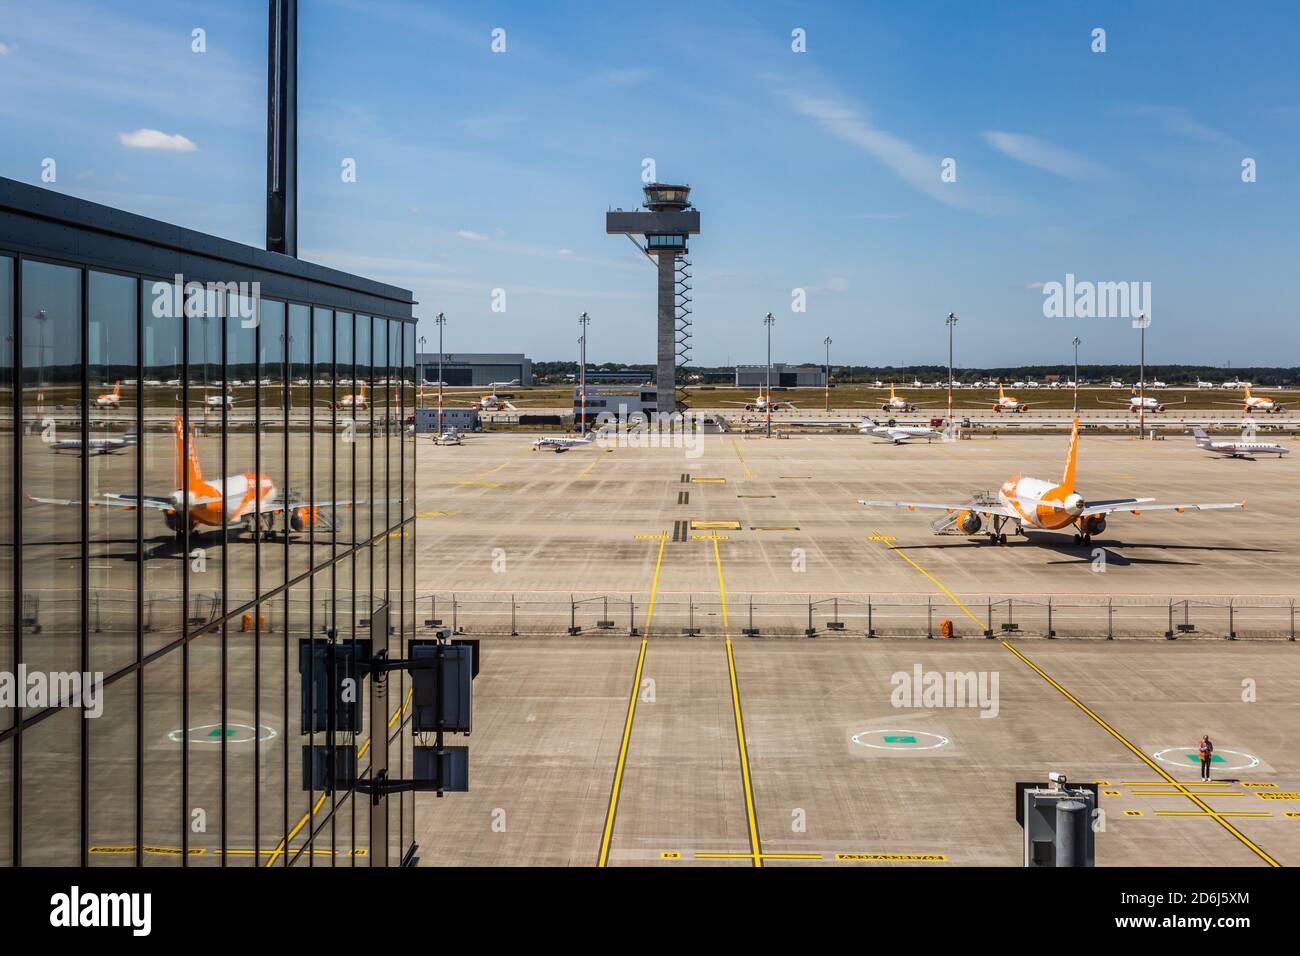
(682,288)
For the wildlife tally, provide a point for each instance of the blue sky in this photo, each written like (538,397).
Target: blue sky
(818,170)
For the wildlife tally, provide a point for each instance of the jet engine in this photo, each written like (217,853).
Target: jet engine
(1093,524)
(301,518)
(969,522)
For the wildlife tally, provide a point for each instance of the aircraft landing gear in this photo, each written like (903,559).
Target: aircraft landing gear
(1083,539)
(996,534)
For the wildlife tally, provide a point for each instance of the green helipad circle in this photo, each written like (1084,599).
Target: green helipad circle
(900,740)
(1189,757)
(214,733)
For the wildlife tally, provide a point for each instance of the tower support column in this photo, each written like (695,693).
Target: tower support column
(666,365)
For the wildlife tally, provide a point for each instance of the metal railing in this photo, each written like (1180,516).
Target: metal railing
(910,616)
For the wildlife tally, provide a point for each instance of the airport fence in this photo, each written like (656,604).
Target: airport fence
(867,616)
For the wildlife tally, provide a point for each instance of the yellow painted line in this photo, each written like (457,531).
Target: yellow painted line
(1161,783)
(765,856)
(294,832)
(937,583)
(1218,817)
(748,473)
(1179,793)
(608,834)
(895,857)
(708,481)
(591,465)
(755,845)
(715,525)
(1202,813)
(434,514)
(480,484)
(484,474)
(307,816)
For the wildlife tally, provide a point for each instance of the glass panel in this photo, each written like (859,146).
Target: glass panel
(205,476)
(298,483)
(7,498)
(345,430)
(360,417)
(304,804)
(274,657)
(161,395)
(271,434)
(241,451)
(164,817)
(114,403)
(112,774)
(6,800)
(51,532)
(51,776)
(323,436)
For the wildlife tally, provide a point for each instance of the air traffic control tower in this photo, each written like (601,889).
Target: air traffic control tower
(669,219)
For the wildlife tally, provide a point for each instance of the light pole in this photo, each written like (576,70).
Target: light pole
(951,322)
(827,343)
(584,320)
(1077,342)
(441,321)
(420,388)
(768,320)
(1142,378)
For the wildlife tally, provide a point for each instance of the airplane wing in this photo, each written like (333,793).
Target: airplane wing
(998,509)
(510,406)
(1139,505)
(120,501)
(280,506)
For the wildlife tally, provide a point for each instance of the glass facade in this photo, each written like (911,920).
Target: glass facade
(192,481)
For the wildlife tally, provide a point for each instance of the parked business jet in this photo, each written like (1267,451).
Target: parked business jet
(1007,403)
(246,501)
(449,437)
(1043,504)
(225,399)
(98,446)
(898,433)
(1256,403)
(562,443)
(1147,403)
(111,399)
(1238,449)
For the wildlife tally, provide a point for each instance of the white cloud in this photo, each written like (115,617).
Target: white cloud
(564,252)
(153,139)
(919,170)
(1179,121)
(6,49)
(1034,285)
(472,236)
(1040,154)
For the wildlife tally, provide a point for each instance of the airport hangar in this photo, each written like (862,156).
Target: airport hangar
(783,376)
(200,658)
(476,368)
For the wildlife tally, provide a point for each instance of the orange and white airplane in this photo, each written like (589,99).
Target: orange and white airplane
(358,402)
(1007,403)
(1051,506)
(492,402)
(246,500)
(1256,403)
(1143,403)
(111,399)
(897,404)
(763,402)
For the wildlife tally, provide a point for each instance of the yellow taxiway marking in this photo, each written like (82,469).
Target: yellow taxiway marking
(937,583)
(748,473)
(591,465)
(1201,804)
(280,847)
(1202,813)
(715,525)
(1179,793)
(608,833)
(708,481)
(434,514)
(755,845)
(761,856)
(484,474)
(1161,783)
(480,484)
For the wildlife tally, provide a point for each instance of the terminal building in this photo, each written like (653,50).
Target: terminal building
(203,463)
(476,368)
(783,376)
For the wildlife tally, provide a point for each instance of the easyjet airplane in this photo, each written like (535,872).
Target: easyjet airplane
(492,403)
(111,399)
(1256,403)
(896,404)
(358,402)
(1007,403)
(1044,504)
(248,500)
(1139,403)
(764,402)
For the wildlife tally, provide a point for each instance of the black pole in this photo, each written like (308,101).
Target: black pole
(282,128)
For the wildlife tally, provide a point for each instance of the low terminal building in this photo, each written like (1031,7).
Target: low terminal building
(622,402)
(462,419)
(476,368)
(783,376)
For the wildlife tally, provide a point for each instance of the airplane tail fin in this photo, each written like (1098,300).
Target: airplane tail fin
(1247,388)
(193,468)
(1000,395)
(1201,437)
(1071,460)
(117,389)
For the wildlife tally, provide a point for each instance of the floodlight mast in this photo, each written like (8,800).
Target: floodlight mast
(667,222)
